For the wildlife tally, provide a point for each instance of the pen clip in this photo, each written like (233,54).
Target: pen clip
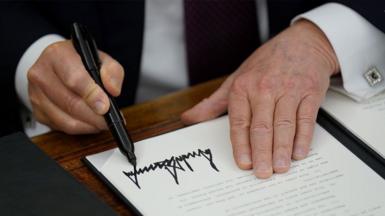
(86,47)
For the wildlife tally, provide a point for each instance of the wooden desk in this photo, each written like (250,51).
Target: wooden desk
(143,121)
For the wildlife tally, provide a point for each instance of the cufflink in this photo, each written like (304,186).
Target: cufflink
(373,76)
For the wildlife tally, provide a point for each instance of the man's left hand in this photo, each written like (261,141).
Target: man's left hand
(273,98)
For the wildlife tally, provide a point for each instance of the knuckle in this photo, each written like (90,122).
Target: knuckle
(283,146)
(262,148)
(261,127)
(290,97)
(284,123)
(221,102)
(70,126)
(266,84)
(33,75)
(313,98)
(35,102)
(291,82)
(240,122)
(52,49)
(34,97)
(311,84)
(72,103)
(239,85)
(309,106)
(306,120)
(74,79)
(91,93)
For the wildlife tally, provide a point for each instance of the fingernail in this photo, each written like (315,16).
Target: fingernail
(299,153)
(99,107)
(262,168)
(114,82)
(281,163)
(245,159)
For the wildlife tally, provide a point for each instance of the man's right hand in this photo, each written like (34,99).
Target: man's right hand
(64,96)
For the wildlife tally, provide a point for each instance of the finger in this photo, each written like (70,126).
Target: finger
(60,120)
(240,117)
(208,108)
(40,116)
(112,74)
(284,131)
(68,101)
(211,107)
(70,70)
(261,133)
(34,97)
(306,118)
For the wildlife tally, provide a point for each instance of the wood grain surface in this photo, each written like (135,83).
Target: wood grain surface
(143,121)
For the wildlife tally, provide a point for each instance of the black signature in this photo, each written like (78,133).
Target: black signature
(172,165)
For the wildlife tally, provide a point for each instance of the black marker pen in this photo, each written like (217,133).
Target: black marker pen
(86,47)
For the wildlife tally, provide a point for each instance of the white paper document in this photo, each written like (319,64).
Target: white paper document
(365,120)
(191,171)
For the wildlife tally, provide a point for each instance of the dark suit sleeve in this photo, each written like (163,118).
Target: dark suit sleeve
(20,25)
(372,10)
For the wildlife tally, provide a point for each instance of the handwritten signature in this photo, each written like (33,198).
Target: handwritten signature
(172,165)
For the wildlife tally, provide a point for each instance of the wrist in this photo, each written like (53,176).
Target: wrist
(319,42)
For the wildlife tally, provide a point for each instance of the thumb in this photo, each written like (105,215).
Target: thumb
(209,108)
(112,74)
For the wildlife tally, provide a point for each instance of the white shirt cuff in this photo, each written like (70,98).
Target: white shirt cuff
(26,61)
(358,44)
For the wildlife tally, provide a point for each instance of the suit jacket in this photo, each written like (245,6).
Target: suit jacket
(118,30)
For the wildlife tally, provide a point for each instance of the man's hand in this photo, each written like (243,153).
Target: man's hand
(273,98)
(63,94)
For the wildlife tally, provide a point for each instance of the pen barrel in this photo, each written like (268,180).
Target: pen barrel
(118,129)
(95,74)
(85,45)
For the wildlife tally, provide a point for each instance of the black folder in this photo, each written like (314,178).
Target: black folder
(34,184)
(352,142)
